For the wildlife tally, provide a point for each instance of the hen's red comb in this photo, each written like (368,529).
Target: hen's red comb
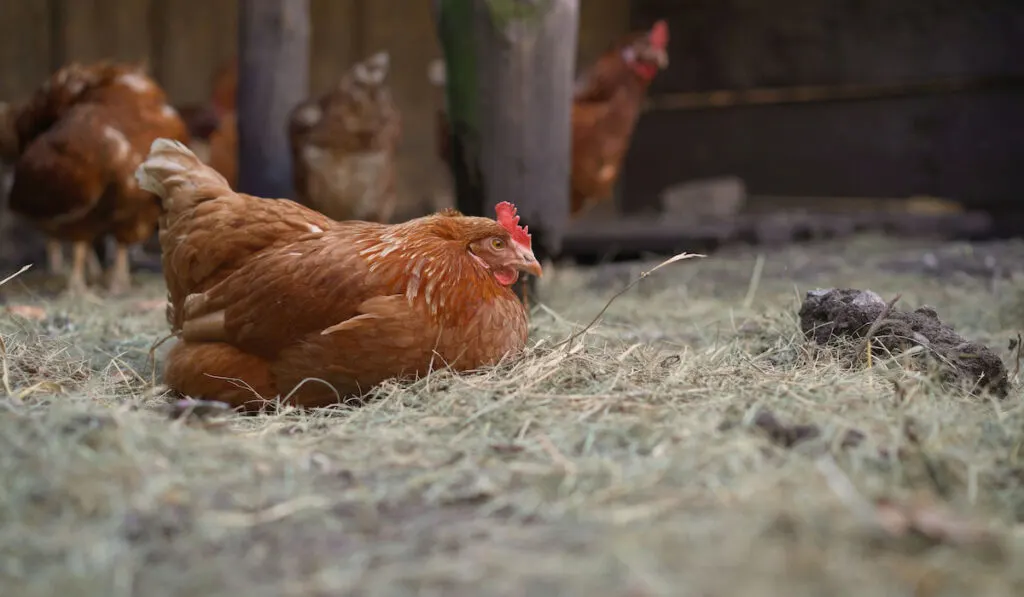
(659,34)
(510,221)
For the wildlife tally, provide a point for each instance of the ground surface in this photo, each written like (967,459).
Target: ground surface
(693,444)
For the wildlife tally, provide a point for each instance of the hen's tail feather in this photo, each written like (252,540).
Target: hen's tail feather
(172,172)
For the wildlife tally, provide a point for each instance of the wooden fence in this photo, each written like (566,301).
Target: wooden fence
(184,42)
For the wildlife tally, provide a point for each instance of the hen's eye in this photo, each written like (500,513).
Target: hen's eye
(497,243)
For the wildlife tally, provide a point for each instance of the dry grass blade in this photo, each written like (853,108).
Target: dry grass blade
(865,344)
(1017,351)
(5,369)
(151,357)
(755,281)
(15,274)
(627,288)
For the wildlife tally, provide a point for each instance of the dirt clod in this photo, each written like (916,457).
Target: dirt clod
(782,434)
(834,313)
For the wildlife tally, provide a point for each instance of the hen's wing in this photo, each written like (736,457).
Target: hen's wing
(386,338)
(312,309)
(225,233)
(285,292)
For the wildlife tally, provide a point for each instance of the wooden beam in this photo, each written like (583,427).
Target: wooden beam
(510,67)
(663,235)
(273,77)
(803,94)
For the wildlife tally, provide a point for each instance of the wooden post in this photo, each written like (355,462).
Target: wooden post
(510,66)
(273,77)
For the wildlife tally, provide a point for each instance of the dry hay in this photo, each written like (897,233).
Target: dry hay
(692,443)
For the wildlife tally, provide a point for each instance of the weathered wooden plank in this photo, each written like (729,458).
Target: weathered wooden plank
(510,73)
(956,142)
(732,44)
(194,39)
(965,147)
(336,40)
(634,235)
(602,22)
(102,29)
(25,58)
(412,42)
(816,94)
(273,77)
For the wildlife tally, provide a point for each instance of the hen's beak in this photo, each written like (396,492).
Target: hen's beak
(527,262)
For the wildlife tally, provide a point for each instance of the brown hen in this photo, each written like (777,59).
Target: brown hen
(344,145)
(606,105)
(80,138)
(265,294)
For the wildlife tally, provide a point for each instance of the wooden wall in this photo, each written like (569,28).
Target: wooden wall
(184,42)
(963,145)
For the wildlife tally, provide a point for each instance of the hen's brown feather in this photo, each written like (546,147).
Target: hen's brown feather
(352,303)
(241,378)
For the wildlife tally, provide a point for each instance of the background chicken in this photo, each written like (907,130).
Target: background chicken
(344,145)
(606,105)
(213,125)
(271,292)
(80,138)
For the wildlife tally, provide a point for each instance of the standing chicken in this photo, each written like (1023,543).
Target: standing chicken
(606,105)
(264,294)
(80,138)
(344,144)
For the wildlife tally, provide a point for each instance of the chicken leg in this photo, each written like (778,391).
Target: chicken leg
(76,277)
(55,256)
(120,273)
(93,267)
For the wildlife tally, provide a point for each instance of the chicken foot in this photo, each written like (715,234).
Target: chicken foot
(120,280)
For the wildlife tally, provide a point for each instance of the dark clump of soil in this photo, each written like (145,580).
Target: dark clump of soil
(850,313)
(790,435)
